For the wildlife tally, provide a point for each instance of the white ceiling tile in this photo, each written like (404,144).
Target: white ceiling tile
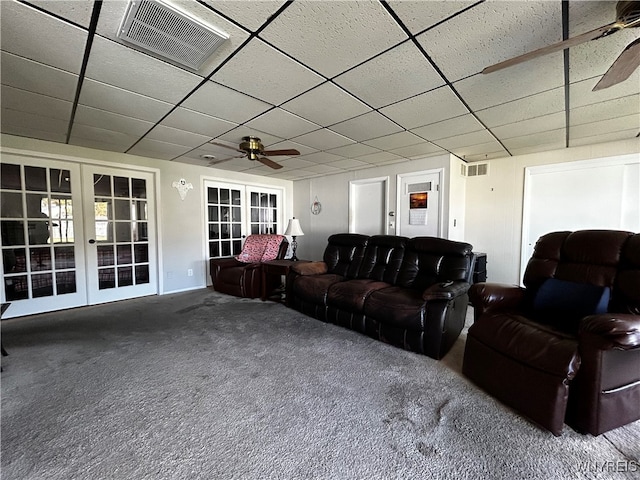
(31,125)
(554,121)
(326,104)
(491,32)
(222,102)
(465,140)
(604,137)
(323,140)
(538,105)
(209,149)
(421,150)
(483,157)
(430,107)
(581,93)
(606,110)
(112,121)
(420,15)
(619,124)
(553,137)
(38,78)
(487,150)
(350,164)
(120,66)
(77,11)
(393,76)
(295,162)
(251,15)
(267,74)
(324,168)
(113,12)
(322,157)
(157,149)
(282,124)
(537,147)
(95,137)
(34,103)
(116,100)
(367,126)
(177,137)
(56,43)
(331,37)
(195,122)
(484,91)
(447,128)
(354,150)
(379,158)
(395,140)
(303,149)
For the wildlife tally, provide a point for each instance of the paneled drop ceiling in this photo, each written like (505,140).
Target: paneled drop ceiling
(350,84)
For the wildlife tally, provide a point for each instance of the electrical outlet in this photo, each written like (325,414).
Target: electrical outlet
(190,272)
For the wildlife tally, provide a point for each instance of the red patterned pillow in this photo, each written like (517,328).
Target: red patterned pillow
(253,249)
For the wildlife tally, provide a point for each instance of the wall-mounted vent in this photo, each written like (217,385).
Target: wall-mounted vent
(419,187)
(159,28)
(477,169)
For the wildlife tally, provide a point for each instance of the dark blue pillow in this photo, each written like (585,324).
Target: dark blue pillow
(576,299)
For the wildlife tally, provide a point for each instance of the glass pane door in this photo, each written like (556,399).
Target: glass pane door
(225,229)
(264,212)
(42,254)
(121,228)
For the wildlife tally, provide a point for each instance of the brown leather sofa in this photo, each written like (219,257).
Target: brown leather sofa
(566,346)
(244,278)
(411,293)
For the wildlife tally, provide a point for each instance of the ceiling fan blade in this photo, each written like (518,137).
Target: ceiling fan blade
(222,160)
(556,47)
(622,68)
(272,153)
(269,163)
(227,146)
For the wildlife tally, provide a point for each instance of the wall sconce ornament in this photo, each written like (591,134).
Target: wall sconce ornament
(183,187)
(316,206)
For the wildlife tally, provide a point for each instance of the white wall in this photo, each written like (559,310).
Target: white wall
(494,203)
(180,222)
(333,193)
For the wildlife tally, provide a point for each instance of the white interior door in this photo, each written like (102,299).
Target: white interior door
(43,265)
(368,205)
(120,227)
(419,206)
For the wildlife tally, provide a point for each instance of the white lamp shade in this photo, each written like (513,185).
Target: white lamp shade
(293,228)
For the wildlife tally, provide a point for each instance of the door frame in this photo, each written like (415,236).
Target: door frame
(441,200)
(353,186)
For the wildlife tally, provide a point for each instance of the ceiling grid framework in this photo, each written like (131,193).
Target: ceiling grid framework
(350,84)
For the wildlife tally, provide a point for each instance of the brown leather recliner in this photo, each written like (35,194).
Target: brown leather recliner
(241,276)
(566,346)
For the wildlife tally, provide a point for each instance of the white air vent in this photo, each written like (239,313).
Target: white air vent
(157,27)
(419,187)
(477,169)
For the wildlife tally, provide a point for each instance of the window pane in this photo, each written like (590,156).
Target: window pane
(11,205)
(224,196)
(12,232)
(60,180)
(235,211)
(106,278)
(65,257)
(124,254)
(42,285)
(15,288)
(123,232)
(213,214)
(235,197)
(141,253)
(125,276)
(237,247)
(236,231)
(121,187)
(37,205)
(214,250)
(102,185)
(122,210)
(38,232)
(40,259)
(226,249)
(212,195)
(140,210)
(138,188)
(13,260)
(10,176)
(66,282)
(105,255)
(142,274)
(214,231)
(140,231)
(254,199)
(35,179)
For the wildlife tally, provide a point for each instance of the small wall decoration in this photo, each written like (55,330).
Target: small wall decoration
(316,206)
(183,187)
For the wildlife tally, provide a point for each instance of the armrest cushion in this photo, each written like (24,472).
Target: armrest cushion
(495,296)
(611,330)
(310,268)
(225,262)
(445,291)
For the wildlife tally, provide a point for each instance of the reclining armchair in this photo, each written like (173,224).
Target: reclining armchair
(241,276)
(566,346)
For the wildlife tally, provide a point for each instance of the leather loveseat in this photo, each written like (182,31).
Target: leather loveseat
(411,293)
(565,347)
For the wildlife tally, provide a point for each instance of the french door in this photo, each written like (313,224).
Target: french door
(74,235)
(234,211)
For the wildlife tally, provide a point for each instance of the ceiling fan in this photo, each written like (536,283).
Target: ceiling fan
(251,148)
(627,16)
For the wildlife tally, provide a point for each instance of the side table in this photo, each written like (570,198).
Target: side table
(275,268)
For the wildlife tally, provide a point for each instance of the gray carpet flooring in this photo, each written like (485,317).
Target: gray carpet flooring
(200,385)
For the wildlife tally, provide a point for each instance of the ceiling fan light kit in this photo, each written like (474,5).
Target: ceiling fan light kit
(627,16)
